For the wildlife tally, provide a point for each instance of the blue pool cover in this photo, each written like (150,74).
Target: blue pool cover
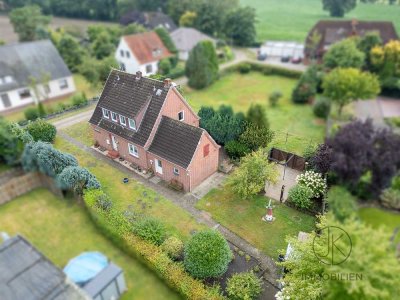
(85,266)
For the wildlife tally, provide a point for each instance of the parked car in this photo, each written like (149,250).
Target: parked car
(296,60)
(261,56)
(285,59)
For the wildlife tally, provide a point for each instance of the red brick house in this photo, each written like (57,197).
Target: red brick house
(148,123)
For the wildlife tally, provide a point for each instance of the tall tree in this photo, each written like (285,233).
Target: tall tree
(71,52)
(337,8)
(103,46)
(343,86)
(240,26)
(257,115)
(27,20)
(344,54)
(202,65)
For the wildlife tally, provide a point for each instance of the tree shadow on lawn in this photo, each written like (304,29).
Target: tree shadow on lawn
(243,262)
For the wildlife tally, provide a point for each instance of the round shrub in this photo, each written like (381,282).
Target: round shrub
(31,113)
(300,195)
(42,131)
(173,246)
(164,66)
(303,93)
(150,229)
(274,97)
(207,254)
(322,108)
(244,286)
(236,149)
(244,68)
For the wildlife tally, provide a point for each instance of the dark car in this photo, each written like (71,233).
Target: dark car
(261,56)
(296,60)
(285,59)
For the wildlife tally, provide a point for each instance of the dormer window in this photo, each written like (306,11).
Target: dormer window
(132,124)
(181,115)
(106,113)
(114,117)
(156,52)
(122,120)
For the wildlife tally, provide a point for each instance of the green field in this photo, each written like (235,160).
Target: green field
(61,229)
(243,217)
(240,91)
(293,19)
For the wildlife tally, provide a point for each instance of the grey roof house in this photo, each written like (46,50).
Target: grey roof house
(25,273)
(149,20)
(186,38)
(21,62)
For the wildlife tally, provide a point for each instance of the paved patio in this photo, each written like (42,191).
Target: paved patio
(377,109)
(287,178)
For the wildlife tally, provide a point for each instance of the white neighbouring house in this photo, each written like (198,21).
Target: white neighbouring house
(141,52)
(19,63)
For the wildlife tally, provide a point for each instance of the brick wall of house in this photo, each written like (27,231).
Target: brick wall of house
(174,104)
(168,171)
(203,167)
(101,136)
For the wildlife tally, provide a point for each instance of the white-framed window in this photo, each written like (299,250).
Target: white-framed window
(181,115)
(122,66)
(149,68)
(133,150)
(8,79)
(122,120)
(106,113)
(176,171)
(63,83)
(24,93)
(132,124)
(122,52)
(114,117)
(127,54)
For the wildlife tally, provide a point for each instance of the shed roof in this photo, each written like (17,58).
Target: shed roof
(102,280)
(31,59)
(176,141)
(147,47)
(25,273)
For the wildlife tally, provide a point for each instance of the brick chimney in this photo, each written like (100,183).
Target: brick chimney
(167,82)
(138,75)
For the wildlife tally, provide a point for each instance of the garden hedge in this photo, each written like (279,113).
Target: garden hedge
(265,69)
(117,228)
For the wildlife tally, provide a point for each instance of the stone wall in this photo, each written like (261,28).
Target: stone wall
(18,183)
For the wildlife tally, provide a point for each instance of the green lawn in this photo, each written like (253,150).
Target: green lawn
(177,220)
(61,229)
(293,19)
(243,217)
(241,91)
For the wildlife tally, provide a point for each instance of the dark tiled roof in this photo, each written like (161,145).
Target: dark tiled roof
(332,31)
(126,95)
(145,45)
(176,141)
(150,20)
(26,274)
(30,59)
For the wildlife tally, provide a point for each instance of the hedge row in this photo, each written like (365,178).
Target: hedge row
(265,69)
(115,226)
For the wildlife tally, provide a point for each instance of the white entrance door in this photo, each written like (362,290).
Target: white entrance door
(114,143)
(158,166)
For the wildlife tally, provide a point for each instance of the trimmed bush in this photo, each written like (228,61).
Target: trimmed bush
(79,100)
(10,146)
(322,108)
(236,149)
(42,131)
(341,203)
(173,246)
(207,254)
(31,113)
(300,196)
(164,66)
(244,68)
(150,229)
(244,286)
(77,179)
(274,98)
